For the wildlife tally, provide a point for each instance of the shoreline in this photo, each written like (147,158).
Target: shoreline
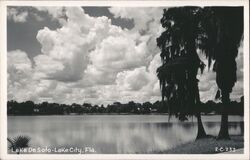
(208,146)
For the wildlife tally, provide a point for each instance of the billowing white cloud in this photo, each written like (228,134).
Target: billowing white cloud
(19,72)
(133,80)
(116,54)
(16,15)
(46,67)
(67,46)
(87,59)
(145,19)
(56,13)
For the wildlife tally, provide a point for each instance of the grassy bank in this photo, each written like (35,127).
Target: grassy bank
(207,146)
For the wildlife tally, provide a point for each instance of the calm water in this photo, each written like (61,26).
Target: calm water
(114,133)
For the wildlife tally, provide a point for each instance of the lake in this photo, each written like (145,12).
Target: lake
(106,134)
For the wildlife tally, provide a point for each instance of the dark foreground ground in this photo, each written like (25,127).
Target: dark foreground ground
(208,146)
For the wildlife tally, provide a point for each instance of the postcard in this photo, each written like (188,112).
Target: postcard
(124,79)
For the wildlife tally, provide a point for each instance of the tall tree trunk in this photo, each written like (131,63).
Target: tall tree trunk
(201,131)
(223,134)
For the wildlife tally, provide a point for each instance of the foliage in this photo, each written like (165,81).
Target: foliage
(217,32)
(18,142)
(222,32)
(45,108)
(180,62)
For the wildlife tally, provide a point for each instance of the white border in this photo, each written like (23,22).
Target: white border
(169,3)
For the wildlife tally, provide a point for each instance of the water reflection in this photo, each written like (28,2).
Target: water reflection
(111,134)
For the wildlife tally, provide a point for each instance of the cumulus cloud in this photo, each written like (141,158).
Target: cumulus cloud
(17,16)
(133,80)
(87,59)
(116,54)
(68,47)
(84,60)
(144,18)
(19,73)
(56,13)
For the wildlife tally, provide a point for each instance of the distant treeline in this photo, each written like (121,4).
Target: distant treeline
(45,108)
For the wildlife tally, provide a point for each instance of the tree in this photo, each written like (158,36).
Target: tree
(223,32)
(180,63)
(18,143)
(217,31)
(27,108)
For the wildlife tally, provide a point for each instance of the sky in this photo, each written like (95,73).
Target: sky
(97,55)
